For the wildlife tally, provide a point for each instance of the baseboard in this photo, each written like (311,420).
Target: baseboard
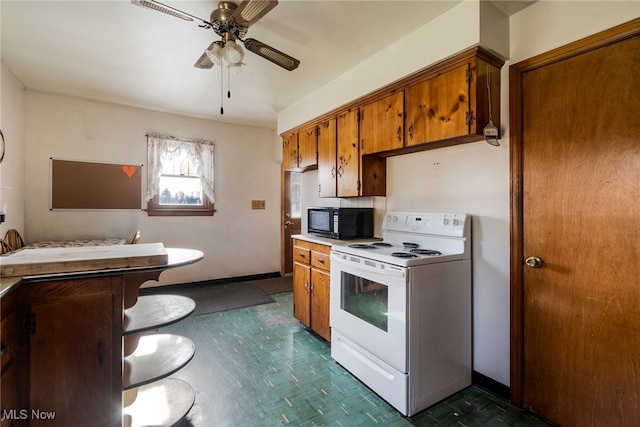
(221,281)
(490,385)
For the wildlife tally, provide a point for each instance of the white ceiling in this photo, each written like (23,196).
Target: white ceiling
(118,52)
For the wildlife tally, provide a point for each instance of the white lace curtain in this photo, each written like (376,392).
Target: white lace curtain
(199,152)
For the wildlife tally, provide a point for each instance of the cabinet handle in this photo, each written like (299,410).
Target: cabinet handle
(340,170)
(306,286)
(301,255)
(101,348)
(333,172)
(399,133)
(411,131)
(3,348)
(320,261)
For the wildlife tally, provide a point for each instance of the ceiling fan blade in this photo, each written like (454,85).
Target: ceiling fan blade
(157,6)
(274,55)
(249,11)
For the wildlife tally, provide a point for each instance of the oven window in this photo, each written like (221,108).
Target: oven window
(365,299)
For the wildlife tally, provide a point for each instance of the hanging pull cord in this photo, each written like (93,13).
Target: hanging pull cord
(221,97)
(228,82)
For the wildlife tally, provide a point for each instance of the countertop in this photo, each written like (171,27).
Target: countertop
(176,257)
(330,242)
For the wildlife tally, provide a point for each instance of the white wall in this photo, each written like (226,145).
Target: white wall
(471,177)
(237,241)
(12,167)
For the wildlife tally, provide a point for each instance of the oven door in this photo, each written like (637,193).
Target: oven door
(369,306)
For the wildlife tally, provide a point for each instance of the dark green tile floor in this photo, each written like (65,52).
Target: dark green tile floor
(257,366)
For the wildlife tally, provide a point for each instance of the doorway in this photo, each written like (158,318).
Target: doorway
(575,228)
(291,217)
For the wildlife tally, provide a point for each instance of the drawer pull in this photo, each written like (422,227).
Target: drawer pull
(321,261)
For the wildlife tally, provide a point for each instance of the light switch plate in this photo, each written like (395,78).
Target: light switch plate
(257,204)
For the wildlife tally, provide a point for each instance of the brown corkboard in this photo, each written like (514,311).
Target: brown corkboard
(93,185)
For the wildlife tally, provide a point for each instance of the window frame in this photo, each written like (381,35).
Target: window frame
(155,208)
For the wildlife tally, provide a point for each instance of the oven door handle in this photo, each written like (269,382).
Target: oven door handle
(395,272)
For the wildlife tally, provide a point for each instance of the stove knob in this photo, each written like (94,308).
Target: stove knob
(455,222)
(445,221)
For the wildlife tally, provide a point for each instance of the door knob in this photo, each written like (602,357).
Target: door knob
(533,262)
(288,223)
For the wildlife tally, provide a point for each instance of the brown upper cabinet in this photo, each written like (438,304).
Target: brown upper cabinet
(445,104)
(454,105)
(382,124)
(300,149)
(342,171)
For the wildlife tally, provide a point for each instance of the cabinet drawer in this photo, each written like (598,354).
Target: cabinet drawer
(302,255)
(9,336)
(320,260)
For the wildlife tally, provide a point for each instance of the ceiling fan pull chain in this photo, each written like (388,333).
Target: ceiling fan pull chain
(228,82)
(221,97)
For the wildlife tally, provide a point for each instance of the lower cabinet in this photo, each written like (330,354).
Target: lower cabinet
(311,286)
(74,354)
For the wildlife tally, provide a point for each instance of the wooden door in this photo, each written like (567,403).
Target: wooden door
(382,124)
(437,108)
(71,362)
(302,293)
(291,218)
(348,159)
(290,151)
(308,148)
(576,175)
(320,303)
(327,159)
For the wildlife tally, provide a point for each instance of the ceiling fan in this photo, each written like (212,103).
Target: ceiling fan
(230,22)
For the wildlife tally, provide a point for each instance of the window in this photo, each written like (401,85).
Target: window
(180,176)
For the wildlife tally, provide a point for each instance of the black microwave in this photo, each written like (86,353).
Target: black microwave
(340,223)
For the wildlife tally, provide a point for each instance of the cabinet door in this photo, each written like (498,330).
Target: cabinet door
(71,362)
(308,148)
(437,108)
(327,158)
(348,159)
(290,151)
(302,293)
(382,125)
(320,303)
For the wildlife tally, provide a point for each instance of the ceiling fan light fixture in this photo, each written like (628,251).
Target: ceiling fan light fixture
(215,53)
(236,68)
(232,52)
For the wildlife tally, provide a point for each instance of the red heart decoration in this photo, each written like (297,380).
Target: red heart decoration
(129,170)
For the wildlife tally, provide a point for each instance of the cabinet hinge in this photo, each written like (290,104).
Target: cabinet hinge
(319,189)
(469,76)
(470,118)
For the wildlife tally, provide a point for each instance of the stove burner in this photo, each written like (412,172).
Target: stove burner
(408,245)
(362,246)
(382,244)
(404,255)
(425,252)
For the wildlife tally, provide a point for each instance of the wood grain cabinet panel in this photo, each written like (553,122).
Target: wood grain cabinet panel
(311,288)
(308,148)
(382,125)
(327,149)
(290,151)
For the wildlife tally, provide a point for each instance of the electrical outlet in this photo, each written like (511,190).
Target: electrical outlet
(257,204)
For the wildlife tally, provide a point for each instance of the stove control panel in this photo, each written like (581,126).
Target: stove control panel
(440,223)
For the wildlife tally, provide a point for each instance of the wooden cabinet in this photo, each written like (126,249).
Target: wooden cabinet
(10,328)
(453,105)
(327,146)
(382,124)
(300,149)
(342,171)
(74,351)
(308,148)
(290,151)
(311,286)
